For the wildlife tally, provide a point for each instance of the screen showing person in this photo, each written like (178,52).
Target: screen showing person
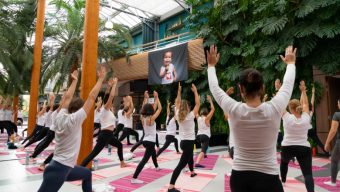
(167,71)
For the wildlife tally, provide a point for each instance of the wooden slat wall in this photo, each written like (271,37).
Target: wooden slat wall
(138,66)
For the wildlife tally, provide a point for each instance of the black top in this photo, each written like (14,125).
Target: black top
(336,117)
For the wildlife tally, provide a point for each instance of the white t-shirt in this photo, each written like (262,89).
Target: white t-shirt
(296,129)
(19,114)
(120,116)
(171,127)
(169,75)
(203,129)
(107,120)
(8,115)
(187,127)
(2,115)
(128,121)
(149,131)
(41,120)
(53,117)
(48,119)
(68,133)
(97,115)
(254,130)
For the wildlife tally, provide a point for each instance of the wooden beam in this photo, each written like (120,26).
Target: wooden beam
(88,76)
(34,91)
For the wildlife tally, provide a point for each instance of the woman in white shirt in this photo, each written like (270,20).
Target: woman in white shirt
(254,125)
(204,133)
(295,144)
(68,132)
(105,137)
(149,115)
(97,111)
(170,131)
(186,123)
(128,120)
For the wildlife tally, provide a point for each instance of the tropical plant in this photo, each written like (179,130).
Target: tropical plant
(64,42)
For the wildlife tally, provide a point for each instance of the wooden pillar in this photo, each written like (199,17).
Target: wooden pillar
(34,91)
(15,108)
(88,76)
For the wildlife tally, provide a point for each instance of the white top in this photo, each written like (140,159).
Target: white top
(171,127)
(203,129)
(2,115)
(231,139)
(68,136)
(107,120)
(53,117)
(254,129)
(19,114)
(97,115)
(41,120)
(149,131)
(296,130)
(8,115)
(48,119)
(187,127)
(128,121)
(169,75)
(120,116)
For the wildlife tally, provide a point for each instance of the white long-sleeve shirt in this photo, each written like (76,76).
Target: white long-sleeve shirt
(254,129)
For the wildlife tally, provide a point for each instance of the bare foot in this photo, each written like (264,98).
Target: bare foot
(123,164)
(41,167)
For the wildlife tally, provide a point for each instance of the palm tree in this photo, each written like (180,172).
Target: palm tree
(64,53)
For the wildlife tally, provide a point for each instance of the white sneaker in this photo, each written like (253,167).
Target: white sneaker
(136,181)
(330,183)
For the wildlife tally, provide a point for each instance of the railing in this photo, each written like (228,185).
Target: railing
(168,41)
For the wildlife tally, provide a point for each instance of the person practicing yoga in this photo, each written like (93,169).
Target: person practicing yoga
(254,125)
(204,133)
(148,117)
(107,121)
(186,123)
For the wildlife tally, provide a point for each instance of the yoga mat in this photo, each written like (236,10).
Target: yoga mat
(227,183)
(34,170)
(21,155)
(114,171)
(208,162)
(94,178)
(320,161)
(169,156)
(293,165)
(193,184)
(228,160)
(319,182)
(104,160)
(4,153)
(147,175)
(141,153)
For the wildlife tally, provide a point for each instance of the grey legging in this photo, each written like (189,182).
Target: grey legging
(56,174)
(335,158)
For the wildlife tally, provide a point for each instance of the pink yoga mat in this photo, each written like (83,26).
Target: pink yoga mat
(34,170)
(4,153)
(293,165)
(116,170)
(104,160)
(147,175)
(141,153)
(208,162)
(319,182)
(22,155)
(227,183)
(94,178)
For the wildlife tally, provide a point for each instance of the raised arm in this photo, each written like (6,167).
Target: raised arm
(179,96)
(304,99)
(281,99)
(312,100)
(212,110)
(43,109)
(113,84)
(131,106)
(146,98)
(70,91)
(159,107)
(52,98)
(222,99)
(197,100)
(95,90)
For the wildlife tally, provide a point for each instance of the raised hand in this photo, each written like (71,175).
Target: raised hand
(110,82)
(209,98)
(290,55)
(51,97)
(74,75)
(193,88)
(115,81)
(212,56)
(277,84)
(179,86)
(102,72)
(146,94)
(230,91)
(265,97)
(155,94)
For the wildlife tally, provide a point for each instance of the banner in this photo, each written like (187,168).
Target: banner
(168,65)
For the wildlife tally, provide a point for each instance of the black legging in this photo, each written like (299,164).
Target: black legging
(96,126)
(35,132)
(187,158)
(43,144)
(140,142)
(204,140)
(304,157)
(105,137)
(37,137)
(246,181)
(149,152)
(48,159)
(312,134)
(168,140)
(118,129)
(127,132)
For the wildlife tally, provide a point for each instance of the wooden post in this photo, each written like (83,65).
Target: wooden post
(88,76)
(15,108)
(34,91)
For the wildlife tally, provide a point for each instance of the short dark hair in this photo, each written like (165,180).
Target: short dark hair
(48,108)
(147,110)
(252,82)
(168,51)
(204,111)
(121,106)
(75,105)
